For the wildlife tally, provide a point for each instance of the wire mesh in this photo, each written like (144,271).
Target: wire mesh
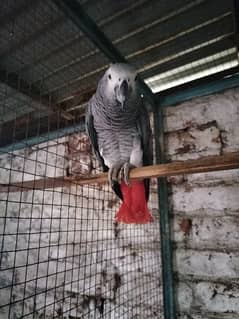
(173,43)
(62,254)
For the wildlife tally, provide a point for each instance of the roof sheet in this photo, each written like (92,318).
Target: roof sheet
(42,46)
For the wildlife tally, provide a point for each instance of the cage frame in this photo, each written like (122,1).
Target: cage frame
(73,10)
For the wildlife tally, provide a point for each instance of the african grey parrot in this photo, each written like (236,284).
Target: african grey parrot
(118,126)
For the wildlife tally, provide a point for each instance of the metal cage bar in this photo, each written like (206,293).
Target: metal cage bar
(166,249)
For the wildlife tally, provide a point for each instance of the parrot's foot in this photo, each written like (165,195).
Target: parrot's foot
(119,172)
(114,172)
(124,172)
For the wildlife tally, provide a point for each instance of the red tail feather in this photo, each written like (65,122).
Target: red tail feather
(134,208)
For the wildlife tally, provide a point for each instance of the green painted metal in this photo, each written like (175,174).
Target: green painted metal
(42,138)
(166,247)
(80,18)
(199,90)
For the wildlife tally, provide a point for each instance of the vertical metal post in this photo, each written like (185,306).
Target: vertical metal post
(166,249)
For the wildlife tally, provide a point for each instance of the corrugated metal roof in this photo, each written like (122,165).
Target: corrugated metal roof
(44,48)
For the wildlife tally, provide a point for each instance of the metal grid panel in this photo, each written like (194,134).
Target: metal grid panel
(9,8)
(62,254)
(39,16)
(45,54)
(15,104)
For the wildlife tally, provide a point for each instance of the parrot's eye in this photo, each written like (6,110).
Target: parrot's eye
(109,76)
(128,79)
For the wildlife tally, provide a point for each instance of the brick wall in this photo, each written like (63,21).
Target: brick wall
(205,207)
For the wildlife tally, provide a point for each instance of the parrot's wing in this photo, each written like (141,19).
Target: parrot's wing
(143,126)
(93,136)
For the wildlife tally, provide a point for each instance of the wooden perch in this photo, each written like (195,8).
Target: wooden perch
(206,164)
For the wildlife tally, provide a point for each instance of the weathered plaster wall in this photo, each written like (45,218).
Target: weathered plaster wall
(205,207)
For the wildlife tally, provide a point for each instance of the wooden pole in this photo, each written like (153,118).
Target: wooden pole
(202,165)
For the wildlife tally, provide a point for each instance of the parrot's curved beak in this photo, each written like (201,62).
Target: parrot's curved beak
(123,93)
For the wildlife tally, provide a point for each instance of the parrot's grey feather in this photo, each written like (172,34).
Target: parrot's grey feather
(118,125)
(93,136)
(143,125)
(90,129)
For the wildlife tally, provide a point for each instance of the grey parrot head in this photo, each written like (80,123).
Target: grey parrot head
(121,83)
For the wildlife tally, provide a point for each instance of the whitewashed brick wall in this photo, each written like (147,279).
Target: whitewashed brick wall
(205,207)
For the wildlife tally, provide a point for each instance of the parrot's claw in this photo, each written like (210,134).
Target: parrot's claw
(124,172)
(114,173)
(119,173)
